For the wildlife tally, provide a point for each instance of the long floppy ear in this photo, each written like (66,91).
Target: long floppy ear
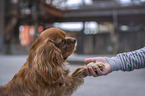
(48,62)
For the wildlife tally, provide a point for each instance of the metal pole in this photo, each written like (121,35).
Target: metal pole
(82,39)
(114,36)
(35,18)
(2,8)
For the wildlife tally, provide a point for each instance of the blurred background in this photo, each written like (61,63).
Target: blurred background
(102,28)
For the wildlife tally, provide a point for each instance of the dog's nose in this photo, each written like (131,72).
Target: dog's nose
(73,40)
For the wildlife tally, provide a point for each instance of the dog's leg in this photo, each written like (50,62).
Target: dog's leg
(76,81)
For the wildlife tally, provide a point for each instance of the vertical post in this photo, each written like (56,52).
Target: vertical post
(114,36)
(115,19)
(83,2)
(36,29)
(2,8)
(35,13)
(82,39)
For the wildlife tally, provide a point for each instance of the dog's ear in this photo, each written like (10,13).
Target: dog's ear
(48,62)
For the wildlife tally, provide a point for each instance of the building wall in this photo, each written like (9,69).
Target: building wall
(101,43)
(129,41)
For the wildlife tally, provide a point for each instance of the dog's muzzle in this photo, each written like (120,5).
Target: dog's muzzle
(73,40)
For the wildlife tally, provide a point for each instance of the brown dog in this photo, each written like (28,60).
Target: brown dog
(45,73)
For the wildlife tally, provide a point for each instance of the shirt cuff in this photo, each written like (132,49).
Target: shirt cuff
(115,63)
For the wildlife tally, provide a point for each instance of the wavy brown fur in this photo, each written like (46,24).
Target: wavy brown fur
(45,73)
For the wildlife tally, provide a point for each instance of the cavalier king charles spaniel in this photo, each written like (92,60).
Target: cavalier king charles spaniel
(45,72)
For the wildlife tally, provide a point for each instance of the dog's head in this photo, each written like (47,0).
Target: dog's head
(55,39)
(49,51)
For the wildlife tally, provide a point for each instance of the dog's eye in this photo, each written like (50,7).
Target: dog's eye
(61,42)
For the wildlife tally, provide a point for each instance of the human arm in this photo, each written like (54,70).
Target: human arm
(126,61)
(129,60)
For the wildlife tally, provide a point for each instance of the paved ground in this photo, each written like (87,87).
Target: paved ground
(115,84)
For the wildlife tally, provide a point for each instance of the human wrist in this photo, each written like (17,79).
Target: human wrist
(114,62)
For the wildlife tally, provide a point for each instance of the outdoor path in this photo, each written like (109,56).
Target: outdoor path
(115,84)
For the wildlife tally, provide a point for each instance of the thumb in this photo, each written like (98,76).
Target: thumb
(88,60)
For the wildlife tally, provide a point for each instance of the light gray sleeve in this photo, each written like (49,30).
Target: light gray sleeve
(128,61)
(115,63)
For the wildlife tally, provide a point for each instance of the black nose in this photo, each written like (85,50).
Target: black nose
(73,40)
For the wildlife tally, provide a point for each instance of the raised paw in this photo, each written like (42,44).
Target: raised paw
(94,64)
(78,72)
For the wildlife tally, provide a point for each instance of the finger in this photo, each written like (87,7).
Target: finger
(99,72)
(87,71)
(93,73)
(88,60)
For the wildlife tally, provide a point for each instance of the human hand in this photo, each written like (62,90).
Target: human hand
(90,72)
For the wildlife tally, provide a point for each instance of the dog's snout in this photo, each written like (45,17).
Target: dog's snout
(73,40)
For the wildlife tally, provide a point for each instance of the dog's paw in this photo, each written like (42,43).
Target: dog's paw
(94,64)
(78,72)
